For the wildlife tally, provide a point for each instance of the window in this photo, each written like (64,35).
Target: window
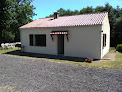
(37,40)
(40,40)
(31,40)
(104,40)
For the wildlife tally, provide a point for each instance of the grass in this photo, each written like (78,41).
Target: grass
(116,64)
(7,50)
(112,49)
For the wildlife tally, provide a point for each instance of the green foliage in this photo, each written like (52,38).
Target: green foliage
(118,30)
(8,50)
(99,9)
(87,10)
(13,14)
(8,36)
(119,48)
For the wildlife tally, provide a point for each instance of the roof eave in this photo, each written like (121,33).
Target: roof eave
(59,26)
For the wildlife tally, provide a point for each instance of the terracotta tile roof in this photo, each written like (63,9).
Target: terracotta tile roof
(65,21)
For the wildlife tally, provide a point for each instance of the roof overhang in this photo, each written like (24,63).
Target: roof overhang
(60,26)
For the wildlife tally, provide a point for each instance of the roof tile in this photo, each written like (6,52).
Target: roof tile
(65,21)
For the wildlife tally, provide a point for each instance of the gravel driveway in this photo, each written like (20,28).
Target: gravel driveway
(21,74)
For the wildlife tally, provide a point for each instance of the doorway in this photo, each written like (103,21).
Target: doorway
(61,44)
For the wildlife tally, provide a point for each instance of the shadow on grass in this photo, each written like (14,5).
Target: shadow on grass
(46,56)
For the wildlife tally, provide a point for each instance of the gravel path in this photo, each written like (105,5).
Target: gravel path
(21,74)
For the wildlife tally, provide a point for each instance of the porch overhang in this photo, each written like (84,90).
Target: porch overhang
(59,33)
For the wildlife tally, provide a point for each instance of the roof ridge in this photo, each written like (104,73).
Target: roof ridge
(78,14)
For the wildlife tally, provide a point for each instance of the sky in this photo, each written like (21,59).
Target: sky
(46,7)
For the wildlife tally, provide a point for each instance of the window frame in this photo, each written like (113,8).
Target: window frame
(34,40)
(104,40)
(31,39)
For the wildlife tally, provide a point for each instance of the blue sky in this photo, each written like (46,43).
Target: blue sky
(47,7)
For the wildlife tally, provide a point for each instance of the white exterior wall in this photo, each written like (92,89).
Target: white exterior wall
(51,46)
(83,41)
(106,30)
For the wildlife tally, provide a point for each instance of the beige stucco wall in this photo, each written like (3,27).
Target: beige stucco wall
(106,30)
(83,41)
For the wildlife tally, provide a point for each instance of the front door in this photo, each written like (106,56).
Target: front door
(60,44)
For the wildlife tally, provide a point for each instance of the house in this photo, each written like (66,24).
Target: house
(86,35)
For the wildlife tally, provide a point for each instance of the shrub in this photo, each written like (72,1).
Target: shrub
(89,60)
(119,48)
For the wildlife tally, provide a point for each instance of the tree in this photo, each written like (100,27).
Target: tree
(14,13)
(24,13)
(62,12)
(99,9)
(117,32)
(6,17)
(76,12)
(115,16)
(87,10)
(68,12)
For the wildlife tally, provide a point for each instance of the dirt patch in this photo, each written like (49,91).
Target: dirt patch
(110,56)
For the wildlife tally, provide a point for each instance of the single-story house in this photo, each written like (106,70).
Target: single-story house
(86,35)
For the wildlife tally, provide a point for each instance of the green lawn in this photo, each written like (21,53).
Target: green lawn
(116,64)
(7,50)
(112,49)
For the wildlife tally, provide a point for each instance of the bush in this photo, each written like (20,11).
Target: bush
(119,48)
(89,60)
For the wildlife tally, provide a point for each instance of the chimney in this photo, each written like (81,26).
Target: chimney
(56,15)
